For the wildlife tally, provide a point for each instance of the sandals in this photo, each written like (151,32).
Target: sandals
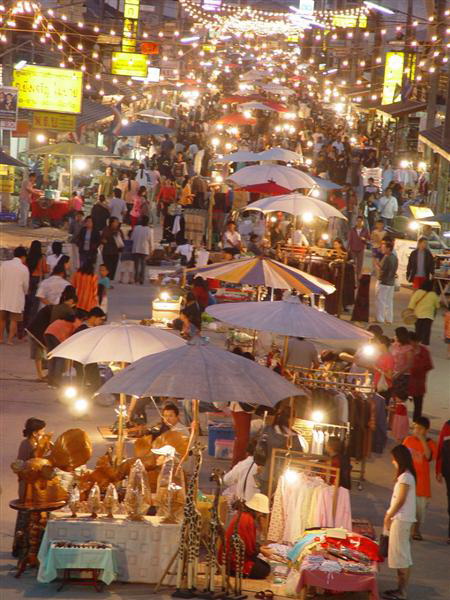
(392,595)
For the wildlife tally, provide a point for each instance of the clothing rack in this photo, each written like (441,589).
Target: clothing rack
(340,380)
(281,459)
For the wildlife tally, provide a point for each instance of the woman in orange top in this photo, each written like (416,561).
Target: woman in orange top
(86,285)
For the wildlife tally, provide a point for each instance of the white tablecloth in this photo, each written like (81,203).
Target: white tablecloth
(143,549)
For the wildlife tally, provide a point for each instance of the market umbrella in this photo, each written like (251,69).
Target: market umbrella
(254,75)
(238,98)
(143,128)
(261,270)
(275,105)
(287,317)
(69,149)
(116,342)
(236,119)
(298,205)
(202,372)
(325,184)
(285,177)
(239,156)
(154,113)
(280,154)
(270,188)
(6,159)
(274,88)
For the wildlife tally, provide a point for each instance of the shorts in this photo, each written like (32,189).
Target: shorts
(18,317)
(37,352)
(399,553)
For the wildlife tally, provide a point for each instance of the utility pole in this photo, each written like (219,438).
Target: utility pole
(438,29)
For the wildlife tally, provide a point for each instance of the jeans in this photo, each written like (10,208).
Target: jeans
(139,267)
(418,403)
(384,303)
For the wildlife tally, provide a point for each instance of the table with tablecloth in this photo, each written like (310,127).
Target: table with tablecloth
(56,211)
(59,559)
(338,581)
(142,549)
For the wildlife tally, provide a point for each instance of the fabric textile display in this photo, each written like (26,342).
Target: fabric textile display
(303,502)
(195,225)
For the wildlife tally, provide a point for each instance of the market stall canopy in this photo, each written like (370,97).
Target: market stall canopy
(143,128)
(92,112)
(202,371)
(298,205)
(239,156)
(69,149)
(275,88)
(256,106)
(154,113)
(287,317)
(254,75)
(240,98)
(275,105)
(262,270)
(280,154)
(285,177)
(236,119)
(6,159)
(117,342)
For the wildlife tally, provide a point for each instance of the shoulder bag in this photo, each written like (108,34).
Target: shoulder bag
(409,314)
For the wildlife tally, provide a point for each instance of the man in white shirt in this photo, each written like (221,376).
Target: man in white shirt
(299,238)
(14,282)
(388,207)
(232,239)
(142,238)
(50,290)
(117,206)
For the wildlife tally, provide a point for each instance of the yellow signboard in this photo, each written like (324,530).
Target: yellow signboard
(6,179)
(129,64)
(393,74)
(339,20)
(49,89)
(130,25)
(54,121)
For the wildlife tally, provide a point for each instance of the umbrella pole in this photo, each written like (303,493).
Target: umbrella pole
(285,350)
(120,432)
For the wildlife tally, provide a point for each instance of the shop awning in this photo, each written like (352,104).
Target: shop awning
(433,138)
(401,109)
(93,112)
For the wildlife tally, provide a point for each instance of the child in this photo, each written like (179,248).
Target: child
(339,459)
(423,451)
(447,331)
(104,284)
(125,272)
(400,421)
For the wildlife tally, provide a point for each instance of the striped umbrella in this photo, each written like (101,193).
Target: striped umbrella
(261,270)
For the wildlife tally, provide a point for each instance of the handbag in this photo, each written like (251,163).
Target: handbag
(409,314)
(383,545)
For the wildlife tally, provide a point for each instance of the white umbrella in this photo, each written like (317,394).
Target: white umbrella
(256,106)
(154,113)
(280,154)
(239,156)
(254,75)
(117,342)
(203,372)
(296,204)
(325,184)
(287,317)
(284,177)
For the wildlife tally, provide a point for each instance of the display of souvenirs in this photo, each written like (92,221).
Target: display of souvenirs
(74,500)
(94,503)
(111,500)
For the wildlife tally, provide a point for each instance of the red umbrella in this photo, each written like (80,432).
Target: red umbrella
(270,188)
(236,119)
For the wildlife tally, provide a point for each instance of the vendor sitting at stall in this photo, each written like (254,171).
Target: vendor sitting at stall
(246,523)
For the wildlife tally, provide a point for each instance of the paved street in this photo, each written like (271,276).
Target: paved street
(22,397)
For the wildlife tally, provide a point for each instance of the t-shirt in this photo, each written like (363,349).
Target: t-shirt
(421,464)
(51,289)
(301,353)
(408,511)
(231,239)
(117,207)
(388,269)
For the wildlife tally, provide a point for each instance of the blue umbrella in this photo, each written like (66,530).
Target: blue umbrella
(143,128)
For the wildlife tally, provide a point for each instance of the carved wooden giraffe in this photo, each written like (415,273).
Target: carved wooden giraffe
(238,549)
(215,531)
(190,532)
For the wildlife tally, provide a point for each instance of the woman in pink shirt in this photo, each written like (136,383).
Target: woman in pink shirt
(384,364)
(138,202)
